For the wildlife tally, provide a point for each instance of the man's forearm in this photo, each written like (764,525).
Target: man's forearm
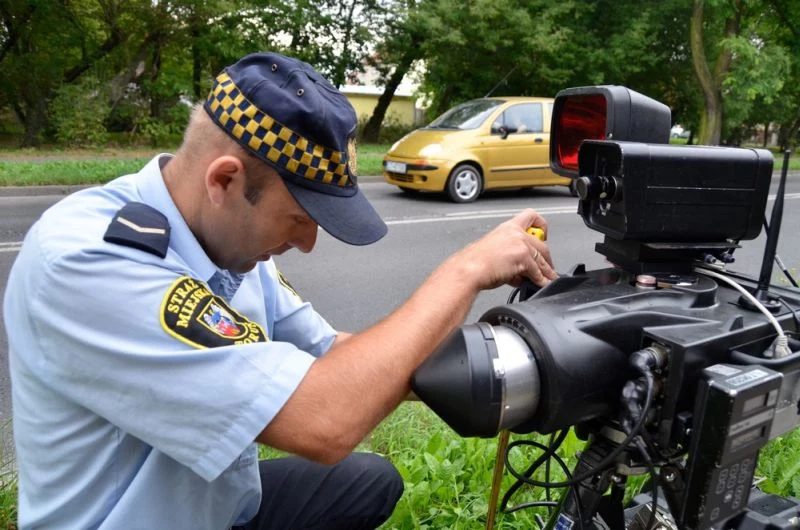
(364,377)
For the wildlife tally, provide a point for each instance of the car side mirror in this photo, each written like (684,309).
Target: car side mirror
(505,131)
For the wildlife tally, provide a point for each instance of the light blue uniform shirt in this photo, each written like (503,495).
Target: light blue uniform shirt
(118,423)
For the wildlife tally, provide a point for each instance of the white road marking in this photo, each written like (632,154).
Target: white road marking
(15,246)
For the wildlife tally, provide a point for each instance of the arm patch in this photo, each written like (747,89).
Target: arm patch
(191,313)
(283,281)
(140,226)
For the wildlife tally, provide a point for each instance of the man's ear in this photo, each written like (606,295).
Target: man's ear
(225,176)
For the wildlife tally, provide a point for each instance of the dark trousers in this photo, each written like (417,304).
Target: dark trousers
(359,492)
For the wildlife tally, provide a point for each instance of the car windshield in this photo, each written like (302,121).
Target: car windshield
(468,115)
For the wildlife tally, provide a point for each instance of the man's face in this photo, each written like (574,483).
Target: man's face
(256,232)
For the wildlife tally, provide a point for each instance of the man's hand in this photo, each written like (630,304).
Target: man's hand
(507,255)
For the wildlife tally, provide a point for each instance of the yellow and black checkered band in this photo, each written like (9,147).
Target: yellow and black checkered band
(272,141)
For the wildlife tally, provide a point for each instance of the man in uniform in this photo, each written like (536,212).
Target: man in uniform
(153,342)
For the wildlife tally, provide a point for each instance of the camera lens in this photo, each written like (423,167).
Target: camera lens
(481,380)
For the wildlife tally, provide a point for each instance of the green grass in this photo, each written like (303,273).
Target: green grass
(8,483)
(370,159)
(448,479)
(8,504)
(37,167)
(66,172)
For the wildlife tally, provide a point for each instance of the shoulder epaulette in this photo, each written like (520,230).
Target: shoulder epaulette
(140,226)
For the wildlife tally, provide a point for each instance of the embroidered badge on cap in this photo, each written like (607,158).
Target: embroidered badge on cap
(352,158)
(191,313)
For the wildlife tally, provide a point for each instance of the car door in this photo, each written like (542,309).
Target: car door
(523,155)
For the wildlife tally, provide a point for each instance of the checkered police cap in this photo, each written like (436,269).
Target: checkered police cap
(288,115)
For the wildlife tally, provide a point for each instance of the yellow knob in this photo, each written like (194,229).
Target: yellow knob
(537,233)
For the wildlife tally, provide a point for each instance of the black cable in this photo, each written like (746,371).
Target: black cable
(513,295)
(794,313)
(606,462)
(785,271)
(533,504)
(553,446)
(559,461)
(547,464)
(778,260)
(654,449)
(654,477)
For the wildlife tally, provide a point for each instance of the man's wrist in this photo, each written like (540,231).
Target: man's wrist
(465,272)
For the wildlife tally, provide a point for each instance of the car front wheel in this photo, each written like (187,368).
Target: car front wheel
(573,188)
(464,184)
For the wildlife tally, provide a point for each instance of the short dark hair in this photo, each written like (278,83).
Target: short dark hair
(201,129)
(256,175)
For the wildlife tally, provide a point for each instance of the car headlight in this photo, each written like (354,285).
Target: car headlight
(430,151)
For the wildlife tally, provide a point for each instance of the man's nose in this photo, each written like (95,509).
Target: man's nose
(306,237)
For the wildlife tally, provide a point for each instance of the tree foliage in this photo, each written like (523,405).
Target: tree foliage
(725,67)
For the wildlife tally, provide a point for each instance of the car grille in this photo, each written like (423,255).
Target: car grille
(399,177)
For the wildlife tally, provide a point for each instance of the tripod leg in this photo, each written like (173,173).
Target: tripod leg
(611,506)
(581,502)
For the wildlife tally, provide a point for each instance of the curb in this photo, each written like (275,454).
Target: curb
(36,191)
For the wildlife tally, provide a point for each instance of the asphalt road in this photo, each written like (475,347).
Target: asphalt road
(355,287)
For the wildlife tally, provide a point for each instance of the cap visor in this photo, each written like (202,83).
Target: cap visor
(349,219)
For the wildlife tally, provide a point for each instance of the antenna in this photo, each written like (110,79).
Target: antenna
(501,81)
(771,246)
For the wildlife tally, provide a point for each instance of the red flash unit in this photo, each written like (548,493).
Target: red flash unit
(602,113)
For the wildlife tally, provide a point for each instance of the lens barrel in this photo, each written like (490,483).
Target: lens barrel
(481,380)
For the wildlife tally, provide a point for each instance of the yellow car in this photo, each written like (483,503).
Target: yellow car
(488,143)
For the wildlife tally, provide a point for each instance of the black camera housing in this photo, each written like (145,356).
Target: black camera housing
(671,216)
(666,193)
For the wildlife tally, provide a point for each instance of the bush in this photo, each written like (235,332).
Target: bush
(167,130)
(78,112)
(392,129)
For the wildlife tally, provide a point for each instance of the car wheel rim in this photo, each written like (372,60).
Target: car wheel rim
(466,184)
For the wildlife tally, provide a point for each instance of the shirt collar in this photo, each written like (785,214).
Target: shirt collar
(153,191)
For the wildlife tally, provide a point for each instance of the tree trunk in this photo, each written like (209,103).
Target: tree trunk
(133,72)
(787,132)
(711,83)
(711,117)
(35,120)
(373,127)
